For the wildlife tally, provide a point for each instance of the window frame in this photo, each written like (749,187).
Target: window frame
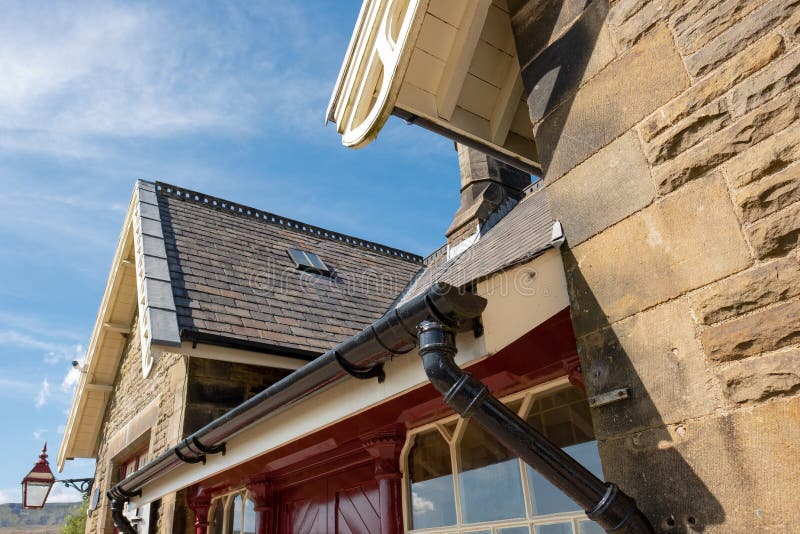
(312,262)
(528,397)
(227,510)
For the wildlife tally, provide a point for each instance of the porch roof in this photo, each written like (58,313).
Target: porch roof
(449,66)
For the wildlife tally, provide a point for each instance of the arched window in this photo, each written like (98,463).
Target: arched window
(233,513)
(461,480)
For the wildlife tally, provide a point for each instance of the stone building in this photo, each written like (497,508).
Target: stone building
(666,136)
(222,390)
(638,305)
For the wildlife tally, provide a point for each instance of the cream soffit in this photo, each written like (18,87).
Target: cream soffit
(450,66)
(519,299)
(138,281)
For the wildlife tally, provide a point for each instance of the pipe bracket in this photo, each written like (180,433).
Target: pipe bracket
(361,373)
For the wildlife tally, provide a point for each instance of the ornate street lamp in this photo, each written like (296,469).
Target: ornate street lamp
(37,484)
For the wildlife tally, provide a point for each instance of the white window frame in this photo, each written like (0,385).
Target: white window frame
(530,520)
(227,509)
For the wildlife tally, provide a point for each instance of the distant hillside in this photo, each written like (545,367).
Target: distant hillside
(48,520)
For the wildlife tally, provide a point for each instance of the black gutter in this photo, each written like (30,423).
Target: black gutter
(217,340)
(603,502)
(361,355)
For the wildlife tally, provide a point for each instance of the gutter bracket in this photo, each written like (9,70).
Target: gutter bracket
(209,450)
(189,460)
(361,373)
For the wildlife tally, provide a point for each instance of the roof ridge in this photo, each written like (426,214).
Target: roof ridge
(236,208)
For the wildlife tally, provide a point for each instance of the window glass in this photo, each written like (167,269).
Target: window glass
(230,511)
(590,527)
(564,418)
(236,515)
(431,479)
(558,528)
(489,478)
(249,517)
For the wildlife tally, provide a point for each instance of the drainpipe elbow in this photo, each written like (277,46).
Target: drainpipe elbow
(437,347)
(121,522)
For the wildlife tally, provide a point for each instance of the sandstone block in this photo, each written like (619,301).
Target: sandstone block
(766,330)
(726,76)
(769,195)
(688,132)
(631,19)
(608,105)
(776,234)
(745,132)
(555,74)
(757,379)
(696,26)
(537,24)
(769,156)
(728,474)
(603,190)
(743,292)
(656,356)
(792,27)
(680,243)
(778,77)
(746,31)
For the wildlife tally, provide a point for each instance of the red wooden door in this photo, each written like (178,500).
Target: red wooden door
(357,508)
(344,503)
(304,509)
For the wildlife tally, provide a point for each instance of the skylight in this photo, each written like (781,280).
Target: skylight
(308,261)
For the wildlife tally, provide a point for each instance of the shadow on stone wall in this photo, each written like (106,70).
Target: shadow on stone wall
(635,445)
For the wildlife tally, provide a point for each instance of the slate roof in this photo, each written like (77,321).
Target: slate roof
(524,233)
(233,280)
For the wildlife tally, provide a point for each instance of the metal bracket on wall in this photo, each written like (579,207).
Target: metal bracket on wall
(609,396)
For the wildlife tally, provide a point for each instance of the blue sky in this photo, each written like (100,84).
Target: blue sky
(224,98)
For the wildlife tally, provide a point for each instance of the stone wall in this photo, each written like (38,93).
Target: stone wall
(669,136)
(180,396)
(142,413)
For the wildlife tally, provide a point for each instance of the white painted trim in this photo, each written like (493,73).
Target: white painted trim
(100,387)
(119,328)
(464,46)
(118,265)
(227,354)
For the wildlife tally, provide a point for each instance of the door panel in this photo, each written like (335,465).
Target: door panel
(344,503)
(357,510)
(304,509)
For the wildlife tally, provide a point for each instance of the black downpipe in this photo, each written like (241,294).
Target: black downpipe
(360,356)
(603,502)
(118,516)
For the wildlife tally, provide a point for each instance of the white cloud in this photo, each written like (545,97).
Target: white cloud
(94,72)
(62,429)
(71,378)
(421,505)
(54,352)
(59,494)
(44,394)
(38,433)
(8,495)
